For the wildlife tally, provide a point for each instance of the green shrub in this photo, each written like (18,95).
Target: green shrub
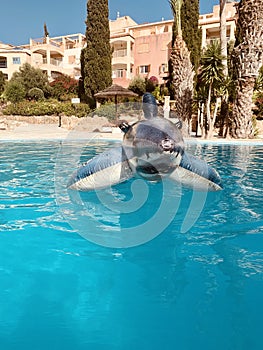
(138,85)
(81,110)
(48,107)
(14,91)
(157,94)
(108,110)
(35,94)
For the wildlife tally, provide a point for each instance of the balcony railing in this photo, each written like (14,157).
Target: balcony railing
(46,41)
(209,41)
(120,53)
(53,61)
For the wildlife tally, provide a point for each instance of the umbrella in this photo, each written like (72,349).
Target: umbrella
(115,91)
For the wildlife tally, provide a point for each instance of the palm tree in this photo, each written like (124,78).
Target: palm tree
(181,70)
(212,78)
(223,45)
(248,59)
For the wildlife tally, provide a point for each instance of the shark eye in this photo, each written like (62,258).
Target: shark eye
(167,144)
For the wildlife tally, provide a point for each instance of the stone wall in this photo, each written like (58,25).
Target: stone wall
(90,123)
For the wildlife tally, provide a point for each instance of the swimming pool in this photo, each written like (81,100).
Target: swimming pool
(201,289)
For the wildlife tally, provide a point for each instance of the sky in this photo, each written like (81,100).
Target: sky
(22,20)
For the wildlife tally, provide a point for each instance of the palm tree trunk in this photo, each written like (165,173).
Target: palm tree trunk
(248,55)
(181,70)
(182,82)
(209,132)
(224,115)
(200,119)
(242,121)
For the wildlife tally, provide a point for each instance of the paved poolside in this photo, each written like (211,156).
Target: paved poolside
(50,132)
(53,132)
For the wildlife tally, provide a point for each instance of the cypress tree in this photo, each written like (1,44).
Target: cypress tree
(191,31)
(96,56)
(46,33)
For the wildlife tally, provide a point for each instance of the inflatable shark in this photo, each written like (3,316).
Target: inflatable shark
(152,149)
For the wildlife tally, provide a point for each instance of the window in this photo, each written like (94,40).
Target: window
(118,73)
(163,68)
(16,60)
(144,69)
(3,62)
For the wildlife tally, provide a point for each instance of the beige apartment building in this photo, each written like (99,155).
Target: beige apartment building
(138,49)
(52,55)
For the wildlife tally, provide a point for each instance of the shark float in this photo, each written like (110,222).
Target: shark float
(152,149)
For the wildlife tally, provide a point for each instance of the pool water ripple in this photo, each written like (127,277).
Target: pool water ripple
(198,290)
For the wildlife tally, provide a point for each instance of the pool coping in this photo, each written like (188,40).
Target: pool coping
(60,134)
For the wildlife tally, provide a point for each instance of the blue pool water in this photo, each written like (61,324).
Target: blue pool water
(201,289)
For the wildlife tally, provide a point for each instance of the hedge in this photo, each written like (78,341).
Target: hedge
(38,108)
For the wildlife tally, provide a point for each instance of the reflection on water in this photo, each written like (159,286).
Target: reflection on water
(198,290)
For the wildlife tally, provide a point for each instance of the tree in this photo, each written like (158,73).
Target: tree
(96,56)
(190,30)
(212,79)
(30,77)
(2,82)
(46,33)
(180,70)
(248,60)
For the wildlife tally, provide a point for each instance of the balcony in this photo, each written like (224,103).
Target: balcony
(53,62)
(120,53)
(54,65)
(120,57)
(43,45)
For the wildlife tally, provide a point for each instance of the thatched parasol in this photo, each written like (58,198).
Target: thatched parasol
(115,91)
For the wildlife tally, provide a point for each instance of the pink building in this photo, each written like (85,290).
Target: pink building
(140,49)
(144,49)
